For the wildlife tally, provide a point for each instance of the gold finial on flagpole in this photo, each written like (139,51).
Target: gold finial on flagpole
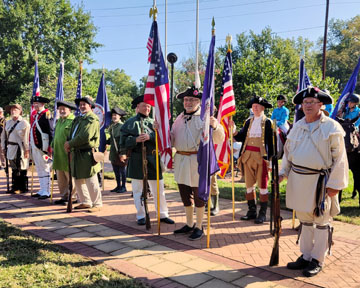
(228,42)
(213,26)
(153,11)
(36,55)
(103,69)
(80,65)
(61,57)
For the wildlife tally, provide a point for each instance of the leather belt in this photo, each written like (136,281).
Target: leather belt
(187,153)
(13,143)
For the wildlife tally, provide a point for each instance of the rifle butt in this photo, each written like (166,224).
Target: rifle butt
(147,221)
(69,205)
(274,259)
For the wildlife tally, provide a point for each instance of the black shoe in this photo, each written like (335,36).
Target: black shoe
(60,202)
(197,234)
(36,195)
(299,264)
(44,197)
(353,195)
(312,269)
(167,220)
(116,189)
(262,213)
(121,190)
(251,213)
(184,230)
(141,221)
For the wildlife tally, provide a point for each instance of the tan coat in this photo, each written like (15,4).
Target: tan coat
(19,135)
(323,148)
(185,136)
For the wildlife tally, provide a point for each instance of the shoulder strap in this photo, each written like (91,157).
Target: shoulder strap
(12,129)
(112,132)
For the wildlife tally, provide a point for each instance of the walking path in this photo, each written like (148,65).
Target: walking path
(238,256)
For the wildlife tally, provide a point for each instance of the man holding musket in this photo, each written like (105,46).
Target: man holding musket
(316,166)
(131,138)
(61,163)
(15,140)
(84,139)
(40,139)
(185,137)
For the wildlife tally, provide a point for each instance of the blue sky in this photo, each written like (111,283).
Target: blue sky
(123,26)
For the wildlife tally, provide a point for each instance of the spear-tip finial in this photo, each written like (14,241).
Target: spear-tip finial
(213,26)
(36,55)
(80,65)
(228,42)
(61,57)
(153,12)
(103,69)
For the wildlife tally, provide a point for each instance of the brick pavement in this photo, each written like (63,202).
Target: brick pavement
(238,255)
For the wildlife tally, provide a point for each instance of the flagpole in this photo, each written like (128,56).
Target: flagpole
(166,33)
(209,200)
(103,162)
(32,160)
(197,77)
(153,13)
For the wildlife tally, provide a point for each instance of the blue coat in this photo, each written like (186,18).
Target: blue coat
(281,115)
(352,115)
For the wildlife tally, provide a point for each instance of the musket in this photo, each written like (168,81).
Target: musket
(69,204)
(274,259)
(6,162)
(145,180)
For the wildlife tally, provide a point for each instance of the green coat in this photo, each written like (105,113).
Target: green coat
(62,132)
(114,131)
(129,131)
(85,137)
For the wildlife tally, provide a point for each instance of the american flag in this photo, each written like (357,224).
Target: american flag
(79,91)
(226,109)
(150,42)
(59,90)
(304,82)
(36,91)
(157,94)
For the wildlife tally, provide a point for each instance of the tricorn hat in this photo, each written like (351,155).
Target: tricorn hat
(9,107)
(258,100)
(281,97)
(85,99)
(66,104)
(353,98)
(312,92)
(39,99)
(118,111)
(190,92)
(136,101)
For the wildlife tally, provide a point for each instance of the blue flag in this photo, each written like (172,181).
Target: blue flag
(36,91)
(348,90)
(304,82)
(59,90)
(79,91)
(206,155)
(103,112)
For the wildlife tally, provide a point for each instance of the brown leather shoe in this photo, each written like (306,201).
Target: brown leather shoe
(82,206)
(94,209)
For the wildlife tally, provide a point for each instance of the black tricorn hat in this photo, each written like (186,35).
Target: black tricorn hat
(258,100)
(312,92)
(281,97)
(190,92)
(85,99)
(118,111)
(39,99)
(66,104)
(136,101)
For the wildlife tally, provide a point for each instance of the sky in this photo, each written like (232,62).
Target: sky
(124,26)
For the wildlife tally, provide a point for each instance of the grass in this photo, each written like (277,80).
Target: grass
(350,210)
(27,261)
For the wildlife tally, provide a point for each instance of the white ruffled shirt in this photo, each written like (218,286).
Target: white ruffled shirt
(255,130)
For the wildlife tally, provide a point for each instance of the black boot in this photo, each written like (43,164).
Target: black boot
(251,214)
(215,205)
(262,213)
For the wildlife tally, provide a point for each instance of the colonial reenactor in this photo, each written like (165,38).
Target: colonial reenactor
(131,139)
(84,140)
(256,152)
(316,166)
(281,114)
(15,140)
(2,125)
(352,110)
(185,137)
(60,160)
(117,154)
(40,139)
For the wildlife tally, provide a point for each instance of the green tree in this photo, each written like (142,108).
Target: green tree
(48,26)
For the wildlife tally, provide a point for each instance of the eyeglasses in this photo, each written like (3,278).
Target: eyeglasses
(191,100)
(310,103)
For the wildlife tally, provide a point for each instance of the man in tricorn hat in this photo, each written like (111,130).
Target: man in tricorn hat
(316,166)
(117,154)
(352,110)
(15,139)
(132,135)
(281,114)
(61,163)
(40,138)
(84,138)
(255,154)
(185,137)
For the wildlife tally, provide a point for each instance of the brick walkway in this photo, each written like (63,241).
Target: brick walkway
(238,256)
